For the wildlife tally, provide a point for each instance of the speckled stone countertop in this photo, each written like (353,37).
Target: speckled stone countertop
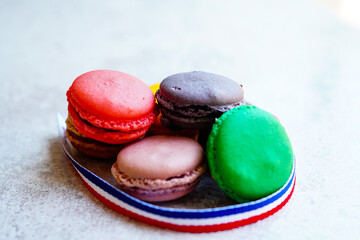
(294,58)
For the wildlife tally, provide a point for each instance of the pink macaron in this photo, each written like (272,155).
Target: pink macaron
(159,168)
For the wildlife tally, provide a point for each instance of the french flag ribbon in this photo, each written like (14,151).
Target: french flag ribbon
(185,220)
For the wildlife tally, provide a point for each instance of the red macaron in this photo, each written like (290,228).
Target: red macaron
(110,106)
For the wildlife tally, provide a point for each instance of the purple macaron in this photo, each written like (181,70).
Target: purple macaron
(195,99)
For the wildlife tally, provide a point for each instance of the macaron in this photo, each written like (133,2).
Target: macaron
(110,106)
(159,168)
(155,87)
(195,99)
(249,153)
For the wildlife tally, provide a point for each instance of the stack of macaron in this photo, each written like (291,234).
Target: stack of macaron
(195,99)
(158,154)
(108,109)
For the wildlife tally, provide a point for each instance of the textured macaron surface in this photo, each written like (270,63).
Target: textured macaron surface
(249,153)
(201,88)
(107,95)
(160,157)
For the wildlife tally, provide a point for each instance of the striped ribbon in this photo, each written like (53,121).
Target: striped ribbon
(185,220)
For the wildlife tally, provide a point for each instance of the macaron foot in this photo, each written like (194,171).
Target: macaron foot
(88,146)
(159,190)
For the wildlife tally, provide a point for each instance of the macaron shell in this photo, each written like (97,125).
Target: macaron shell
(249,153)
(201,88)
(103,135)
(160,157)
(108,95)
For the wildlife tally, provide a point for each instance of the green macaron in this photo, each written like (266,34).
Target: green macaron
(249,153)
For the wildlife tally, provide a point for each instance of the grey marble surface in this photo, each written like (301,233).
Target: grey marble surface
(294,58)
